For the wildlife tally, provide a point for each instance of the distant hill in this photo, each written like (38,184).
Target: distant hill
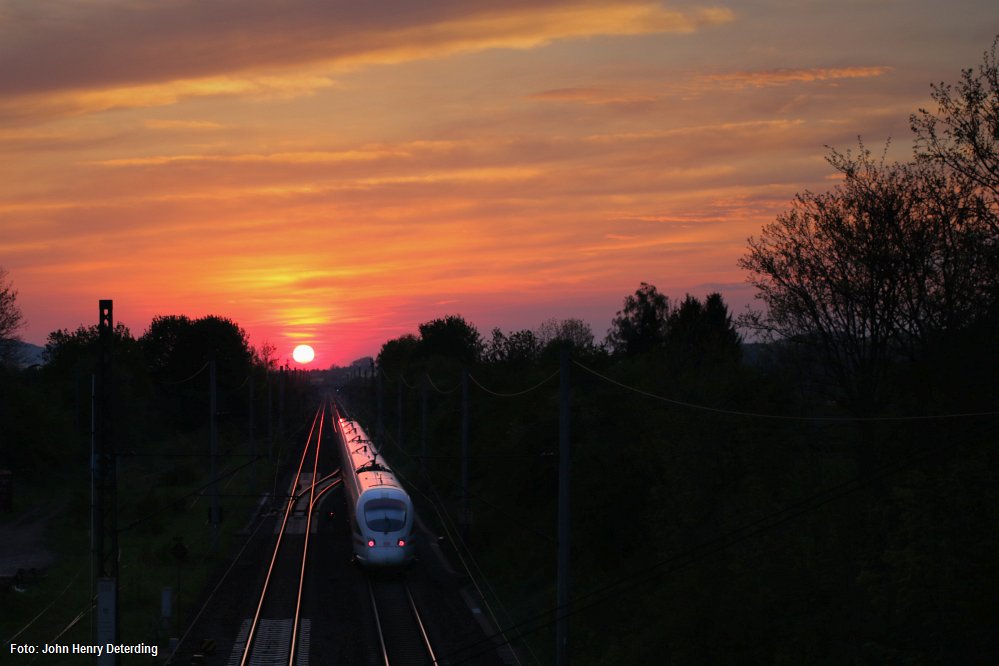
(753,353)
(28,354)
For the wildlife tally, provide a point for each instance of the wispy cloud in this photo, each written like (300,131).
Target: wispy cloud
(328,171)
(783,77)
(594,95)
(85,58)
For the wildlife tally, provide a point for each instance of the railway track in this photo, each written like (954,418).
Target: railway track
(401,631)
(276,634)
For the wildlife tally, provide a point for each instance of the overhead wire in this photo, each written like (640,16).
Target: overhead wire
(52,603)
(700,552)
(198,372)
(518,393)
(439,390)
(785,417)
(740,534)
(194,492)
(455,535)
(757,527)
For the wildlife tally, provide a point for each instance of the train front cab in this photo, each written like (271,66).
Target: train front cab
(383,527)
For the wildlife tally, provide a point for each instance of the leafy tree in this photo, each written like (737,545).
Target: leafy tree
(641,325)
(451,337)
(71,360)
(701,334)
(11,319)
(395,355)
(65,349)
(574,331)
(163,342)
(222,339)
(963,134)
(177,348)
(519,347)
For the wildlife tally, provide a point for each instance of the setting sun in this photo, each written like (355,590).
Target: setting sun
(303,354)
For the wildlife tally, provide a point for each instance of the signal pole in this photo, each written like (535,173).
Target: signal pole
(105,484)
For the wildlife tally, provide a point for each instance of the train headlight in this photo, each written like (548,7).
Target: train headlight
(371,543)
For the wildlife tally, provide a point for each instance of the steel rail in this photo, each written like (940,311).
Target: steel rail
(317,482)
(326,489)
(378,624)
(416,617)
(248,647)
(305,548)
(419,624)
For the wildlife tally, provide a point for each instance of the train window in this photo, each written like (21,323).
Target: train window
(385,515)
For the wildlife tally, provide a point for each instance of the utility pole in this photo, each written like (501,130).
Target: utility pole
(281,405)
(398,411)
(562,576)
(466,516)
(423,427)
(214,509)
(254,445)
(105,503)
(270,418)
(380,422)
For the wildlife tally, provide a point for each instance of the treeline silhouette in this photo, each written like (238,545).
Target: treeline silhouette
(831,499)
(159,402)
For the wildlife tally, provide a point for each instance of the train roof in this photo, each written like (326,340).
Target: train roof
(368,468)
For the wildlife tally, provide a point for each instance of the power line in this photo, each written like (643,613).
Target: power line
(459,543)
(194,492)
(518,393)
(198,372)
(438,389)
(784,417)
(700,552)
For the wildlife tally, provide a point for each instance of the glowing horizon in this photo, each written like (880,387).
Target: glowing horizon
(328,174)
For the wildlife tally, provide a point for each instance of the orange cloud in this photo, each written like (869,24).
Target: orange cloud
(258,52)
(783,77)
(593,95)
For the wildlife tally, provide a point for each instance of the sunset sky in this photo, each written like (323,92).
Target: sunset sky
(336,172)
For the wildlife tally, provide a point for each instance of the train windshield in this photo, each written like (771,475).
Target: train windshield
(385,515)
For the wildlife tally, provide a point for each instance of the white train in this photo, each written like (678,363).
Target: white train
(381,513)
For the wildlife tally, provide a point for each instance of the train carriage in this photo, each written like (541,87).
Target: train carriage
(381,511)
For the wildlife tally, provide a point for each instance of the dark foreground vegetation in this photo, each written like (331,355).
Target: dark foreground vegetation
(161,437)
(832,501)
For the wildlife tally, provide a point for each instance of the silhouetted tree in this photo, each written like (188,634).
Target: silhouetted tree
(451,337)
(265,355)
(65,350)
(517,348)
(642,324)
(396,355)
(222,339)
(861,274)
(177,346)
(702,334)
(574,331)
(71,361)
(177,349)
(11,319)
(164,344)
(963,134)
